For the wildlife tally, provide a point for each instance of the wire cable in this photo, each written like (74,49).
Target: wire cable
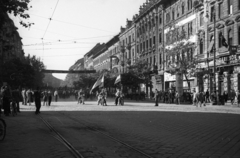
(50,19)
(69,23)
(58,41)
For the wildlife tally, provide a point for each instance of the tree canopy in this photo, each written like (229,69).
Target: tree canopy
(26,73)
(17,8)
(180,53)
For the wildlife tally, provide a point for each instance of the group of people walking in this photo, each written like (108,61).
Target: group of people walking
(26,96)
(197,98)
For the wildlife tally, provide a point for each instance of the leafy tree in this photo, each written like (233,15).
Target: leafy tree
(179,55)
(37,66)
(142,72)
(17,8)
(23,73)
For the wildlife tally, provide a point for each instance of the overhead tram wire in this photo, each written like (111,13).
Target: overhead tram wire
(50,19)
(72,23)
(57,41)
(47,28)
(58,48)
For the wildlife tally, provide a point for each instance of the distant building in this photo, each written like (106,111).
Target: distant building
(127,45)
(88,57)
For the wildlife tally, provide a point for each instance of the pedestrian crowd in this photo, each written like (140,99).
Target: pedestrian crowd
(27,96)
(197,98)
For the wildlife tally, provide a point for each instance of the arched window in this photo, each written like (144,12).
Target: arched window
(183,8)
(201,46)
(230,37)
(220,39)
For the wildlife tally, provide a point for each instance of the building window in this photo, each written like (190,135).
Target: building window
(190,28)
(238,35)
(160,37)
(160,59)
(220,39)
(147,44)
(230,37)
(230,6)
(154,40)
(220,10)
(150,42)
(183,31)
(212,14)
(133,37)
(201,46)
(238,5)
(129,39)
(191,54)
(173,13)
(160,19)
(201,19)
(189,4)
(183,8)
(167,17)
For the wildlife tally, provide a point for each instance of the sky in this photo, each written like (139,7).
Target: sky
(75,27)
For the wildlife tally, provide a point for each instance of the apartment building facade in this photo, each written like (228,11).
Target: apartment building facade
(220,29)
(149,28)
(127,46)
(182,16)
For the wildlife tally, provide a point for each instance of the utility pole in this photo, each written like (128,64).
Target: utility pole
(214,53)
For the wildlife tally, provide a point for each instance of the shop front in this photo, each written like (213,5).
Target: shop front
(227,75)
(170,82)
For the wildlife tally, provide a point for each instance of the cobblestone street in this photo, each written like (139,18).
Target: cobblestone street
(104,132)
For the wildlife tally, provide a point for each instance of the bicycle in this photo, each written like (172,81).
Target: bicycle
(3,125)
(2,129)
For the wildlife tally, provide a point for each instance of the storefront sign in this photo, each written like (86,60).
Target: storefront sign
(233,59)
(169,77)
(158,79)
(233,50)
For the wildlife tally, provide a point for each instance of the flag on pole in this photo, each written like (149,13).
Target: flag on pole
(98,83)
(211,45)
(224,41)
(118,79)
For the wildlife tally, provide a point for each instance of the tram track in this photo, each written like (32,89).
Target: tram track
(94,130)
(108,136)
(59,137)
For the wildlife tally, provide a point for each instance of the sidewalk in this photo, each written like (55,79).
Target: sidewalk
(134,106)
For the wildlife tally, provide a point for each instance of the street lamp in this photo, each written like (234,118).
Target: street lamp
(123,50)
(214,54)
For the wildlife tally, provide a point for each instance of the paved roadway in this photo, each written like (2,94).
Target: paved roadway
(163,131)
